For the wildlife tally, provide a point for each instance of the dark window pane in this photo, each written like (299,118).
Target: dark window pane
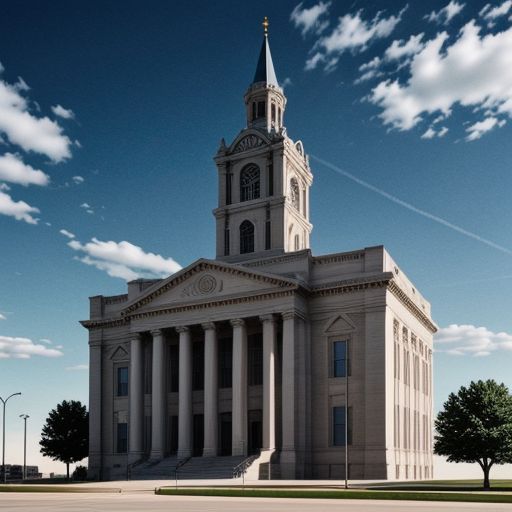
(339,359)
(246,237)
(261,109)
(249,183)
(122,381)
(225,362)
(255,360)
(174,363)
(198,366)
(122,437)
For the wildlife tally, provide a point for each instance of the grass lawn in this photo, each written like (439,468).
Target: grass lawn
(339,494)
(444,485)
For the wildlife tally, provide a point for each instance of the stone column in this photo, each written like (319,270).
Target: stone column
(158,397)
(269,413)
(94,470)
(136,399)
(288,456)
(239,401)
(210,390)
(185,394)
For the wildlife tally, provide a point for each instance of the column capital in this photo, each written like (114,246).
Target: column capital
(135,336)
(156,332)
(288,315)
(208,326)
(237,322)
(182,328)
(270,317)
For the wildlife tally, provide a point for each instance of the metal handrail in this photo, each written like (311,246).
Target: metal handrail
(240,469)
(182,462)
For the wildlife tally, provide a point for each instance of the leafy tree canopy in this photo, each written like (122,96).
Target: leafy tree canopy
(65,435)
(476,426)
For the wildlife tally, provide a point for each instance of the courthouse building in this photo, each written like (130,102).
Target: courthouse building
(267,354)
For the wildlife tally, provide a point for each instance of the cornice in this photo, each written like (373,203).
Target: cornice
(115,299)
(338,258)
(286,257)
(409,304)
(281,282)
(210,304)
(352,285)
(104,323)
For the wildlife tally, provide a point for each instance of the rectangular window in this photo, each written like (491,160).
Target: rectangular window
(261,109)
(148,367)
(225,362)
(122,381)
(270,179)
(122,437)
(198,366)
(267,235)
(255,360)
(226,242)
(339,359)
(228,187)
(174,366)
(338,426)
(253,110)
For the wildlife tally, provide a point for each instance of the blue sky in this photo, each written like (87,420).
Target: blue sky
(110,114)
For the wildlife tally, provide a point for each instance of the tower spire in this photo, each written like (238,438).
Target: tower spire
(265,68)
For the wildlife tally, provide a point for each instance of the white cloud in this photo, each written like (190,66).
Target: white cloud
(4,186)
(442,132)
(399,49)
(85,205)
(24,348)
(124,260)
(2,317)
(491,14)
(429,134)
(21,85)
(77,367)
(474,71)
(445,14)
(471,340)
(13,169)
(286,82)
(476,130)
(46,340)
(31,133)
(1,68)
(17,209)
(78,179)
(67,233)
(352,33)
(65,113)
(308,20)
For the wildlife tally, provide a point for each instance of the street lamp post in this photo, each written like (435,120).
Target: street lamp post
(4,402)
(25,417)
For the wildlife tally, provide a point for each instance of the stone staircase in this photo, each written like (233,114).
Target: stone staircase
(193,469)
(209,468)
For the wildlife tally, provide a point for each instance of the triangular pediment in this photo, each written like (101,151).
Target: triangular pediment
(119,354)
(248,140)
(339,323)
(208,280)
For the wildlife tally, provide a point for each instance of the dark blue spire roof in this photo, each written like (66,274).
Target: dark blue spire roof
(265,68)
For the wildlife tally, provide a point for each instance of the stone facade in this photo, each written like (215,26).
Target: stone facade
(267,349)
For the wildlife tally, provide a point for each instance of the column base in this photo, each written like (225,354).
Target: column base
(288,463)
(184,453)
(238,451)
(156,455)
(210,452)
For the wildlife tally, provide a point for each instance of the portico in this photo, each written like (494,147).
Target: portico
(263,394)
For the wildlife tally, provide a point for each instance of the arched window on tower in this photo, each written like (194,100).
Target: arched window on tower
(297,242)
(295,193)
(246,237)
(249,183)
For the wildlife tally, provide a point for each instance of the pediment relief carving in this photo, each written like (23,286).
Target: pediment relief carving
(248,142)
(207,284)
(339,323)
(119,353)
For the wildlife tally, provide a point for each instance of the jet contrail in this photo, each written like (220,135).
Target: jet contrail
(412,208)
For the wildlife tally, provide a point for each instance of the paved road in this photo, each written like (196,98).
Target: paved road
(145,502)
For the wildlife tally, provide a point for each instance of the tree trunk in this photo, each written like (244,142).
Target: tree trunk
(67,469)
(487,485)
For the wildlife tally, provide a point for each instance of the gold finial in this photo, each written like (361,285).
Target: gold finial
(265,25)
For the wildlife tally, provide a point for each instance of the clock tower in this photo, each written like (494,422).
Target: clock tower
(264,177)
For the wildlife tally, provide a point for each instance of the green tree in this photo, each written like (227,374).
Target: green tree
(65,435)
(476,426)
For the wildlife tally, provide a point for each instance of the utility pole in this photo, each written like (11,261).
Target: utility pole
(4,402)
(25,417)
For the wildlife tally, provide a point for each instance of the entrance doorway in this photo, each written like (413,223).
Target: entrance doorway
(255,432)
(225,434)
(198,435)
